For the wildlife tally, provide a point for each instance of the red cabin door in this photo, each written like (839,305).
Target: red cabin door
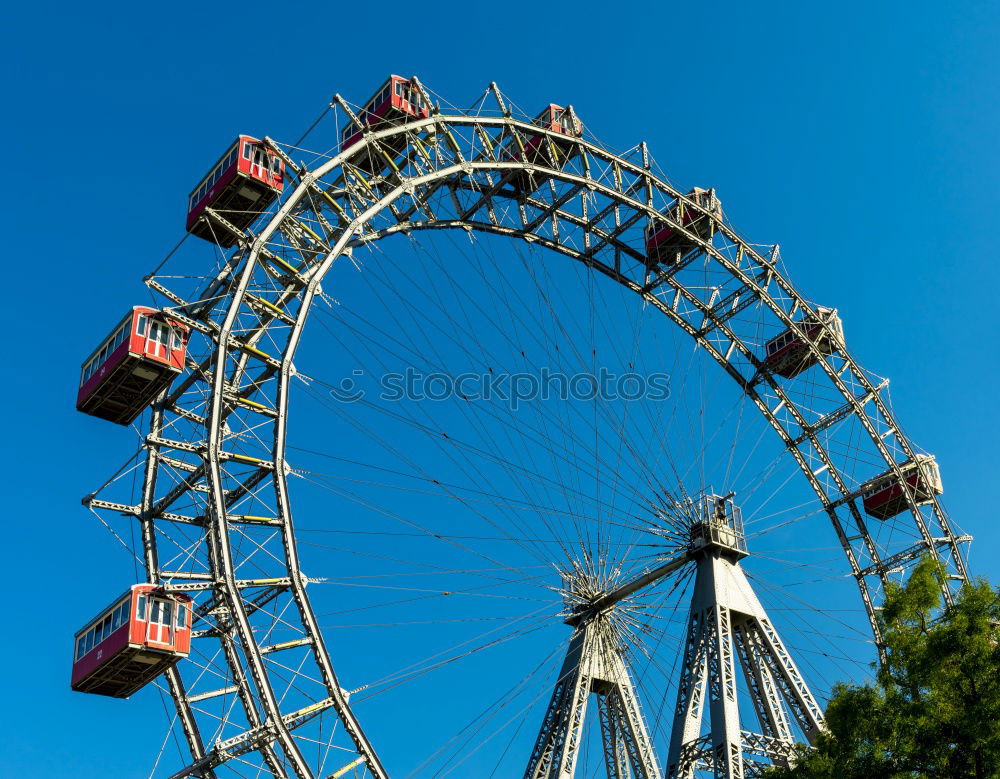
(157,342)
(160,625)
(260,164)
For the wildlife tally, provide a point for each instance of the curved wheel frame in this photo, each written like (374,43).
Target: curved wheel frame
(219,436)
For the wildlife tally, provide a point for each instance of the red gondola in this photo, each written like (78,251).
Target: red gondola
(134,363)
(398,100)
(788,354)
(885,496)
(142,634)
(665,244)
(241,185)
(537,151)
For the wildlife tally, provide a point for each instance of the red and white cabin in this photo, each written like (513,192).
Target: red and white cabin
(788,354)
(556,119)
(140,357)
(885,495)
(398,100)
(240,186)
(142,634)
(665,244)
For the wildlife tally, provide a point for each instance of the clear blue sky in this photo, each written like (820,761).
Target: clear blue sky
(859,136)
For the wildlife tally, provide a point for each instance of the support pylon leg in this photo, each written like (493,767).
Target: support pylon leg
(793,688)
(615,753)
(594,664)
(760,681)
(727,623)
(724,708)
(555,748)
(632,729)
(690,699)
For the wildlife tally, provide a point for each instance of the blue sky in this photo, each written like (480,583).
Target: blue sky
(860,137)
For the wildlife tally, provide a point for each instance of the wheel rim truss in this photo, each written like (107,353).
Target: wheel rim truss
(453,174)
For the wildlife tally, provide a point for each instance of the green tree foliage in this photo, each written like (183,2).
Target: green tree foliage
(934,707)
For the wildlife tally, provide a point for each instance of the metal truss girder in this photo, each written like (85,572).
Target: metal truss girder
(266,650)
(837,415)
(217,606)
(200,582)
(107,505)
(263,306)
(629,191)
(731,305)
(221,556)
(619,229)
(774,749)
(179,446)
(211,215)
(554,745)
(615,754)
(486,198)
(553,208)
(727,619)
(607,239)
(250,520)
(177,465)
(594,664)
(763,689)
(204,696)
(917,550)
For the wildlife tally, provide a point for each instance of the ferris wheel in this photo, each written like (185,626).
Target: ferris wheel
(628,511)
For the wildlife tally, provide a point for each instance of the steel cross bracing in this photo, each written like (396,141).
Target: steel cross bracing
(217,505)
(727,627)
(595,663)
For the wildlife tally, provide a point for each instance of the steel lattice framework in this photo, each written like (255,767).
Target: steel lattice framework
(594,664)
(727,625)
(727,628)
(267,694)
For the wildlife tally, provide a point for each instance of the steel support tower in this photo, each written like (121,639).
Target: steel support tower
(728,626)
(594,664)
